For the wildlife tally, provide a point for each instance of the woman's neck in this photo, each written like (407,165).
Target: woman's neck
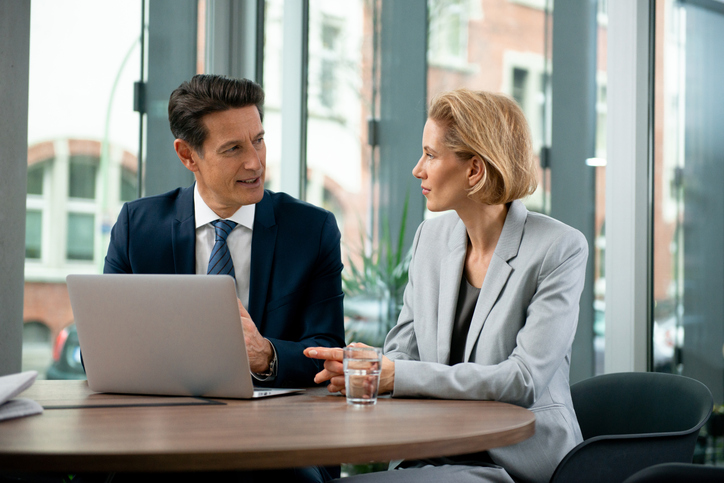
(484,224)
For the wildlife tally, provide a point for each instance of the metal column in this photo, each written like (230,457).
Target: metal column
(14,65)
(171,60)
(403,111)
(573,130)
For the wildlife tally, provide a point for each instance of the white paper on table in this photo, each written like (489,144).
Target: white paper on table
(11,386)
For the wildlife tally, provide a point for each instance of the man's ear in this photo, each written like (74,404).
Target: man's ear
(186,154)
(476,170)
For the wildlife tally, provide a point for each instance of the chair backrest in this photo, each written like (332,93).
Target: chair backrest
(631,421)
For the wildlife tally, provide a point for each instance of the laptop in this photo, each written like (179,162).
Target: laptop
(175,335)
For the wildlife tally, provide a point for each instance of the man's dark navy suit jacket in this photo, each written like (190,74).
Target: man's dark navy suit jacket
(295,293)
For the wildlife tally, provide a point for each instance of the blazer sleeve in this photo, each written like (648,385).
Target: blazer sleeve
(117,260)
(320,318)
(401,342)
(540,345)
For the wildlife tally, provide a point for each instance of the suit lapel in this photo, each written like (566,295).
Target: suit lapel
(451,272)
(262,255)
(183,233)
(498,271)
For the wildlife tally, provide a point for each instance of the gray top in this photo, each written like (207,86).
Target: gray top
(467,298)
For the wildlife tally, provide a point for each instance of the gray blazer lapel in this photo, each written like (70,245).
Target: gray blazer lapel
(498,271)
(451,272)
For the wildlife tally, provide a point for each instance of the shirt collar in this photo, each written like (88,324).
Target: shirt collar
(204,215)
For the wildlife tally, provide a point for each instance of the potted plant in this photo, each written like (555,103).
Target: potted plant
(374,286)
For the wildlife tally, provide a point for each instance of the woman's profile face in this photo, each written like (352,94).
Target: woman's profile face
(443,176)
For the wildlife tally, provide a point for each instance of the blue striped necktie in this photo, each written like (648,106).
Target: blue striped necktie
(220,261)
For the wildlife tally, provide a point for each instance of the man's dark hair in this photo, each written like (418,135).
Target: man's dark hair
(205,94)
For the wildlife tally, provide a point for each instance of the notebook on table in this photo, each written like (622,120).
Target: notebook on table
(176,335)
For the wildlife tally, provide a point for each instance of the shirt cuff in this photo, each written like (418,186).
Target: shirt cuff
(271,374)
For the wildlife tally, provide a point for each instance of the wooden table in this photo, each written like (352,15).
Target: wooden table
(111,433)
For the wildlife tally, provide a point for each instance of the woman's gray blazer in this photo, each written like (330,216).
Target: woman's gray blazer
(518,348)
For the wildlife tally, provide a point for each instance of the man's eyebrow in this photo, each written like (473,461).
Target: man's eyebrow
(232,142)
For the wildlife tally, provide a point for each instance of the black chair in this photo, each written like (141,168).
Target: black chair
(631,421)
(678,473)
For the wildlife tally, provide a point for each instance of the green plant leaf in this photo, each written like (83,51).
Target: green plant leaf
(378,276)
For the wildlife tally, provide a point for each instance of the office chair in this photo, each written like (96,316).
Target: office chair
(678,473)
(631,421)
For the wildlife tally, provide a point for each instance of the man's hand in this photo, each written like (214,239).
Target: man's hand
(334,368)
(258,348)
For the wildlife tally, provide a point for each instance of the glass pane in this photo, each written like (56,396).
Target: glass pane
(36,174)
(272,83)
(81,228)
(129,185)
(688,332)
(82,177)
(338,156)
(449,33)
(506,47)
(520,82)
(502,50)
(33,232)
(80,107)
(599,164)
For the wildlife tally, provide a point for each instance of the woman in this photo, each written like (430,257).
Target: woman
(491,306)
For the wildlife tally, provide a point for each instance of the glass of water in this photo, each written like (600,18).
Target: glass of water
(362,367)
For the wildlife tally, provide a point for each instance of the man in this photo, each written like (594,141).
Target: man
(284,253)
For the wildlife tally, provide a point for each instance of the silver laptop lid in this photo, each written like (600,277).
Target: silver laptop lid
(175,335)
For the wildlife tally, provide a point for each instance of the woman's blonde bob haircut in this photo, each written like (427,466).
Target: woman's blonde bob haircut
(493,128)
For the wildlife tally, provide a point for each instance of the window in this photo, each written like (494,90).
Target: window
(327,83)
(81,229)
(272,83)
(36,175)
(525,82)
(35,205)
(520,85)
(329,63)
(33,233)
(336,157)
(63,202)
(81,205)
(601,110)
(72,195)
(448,40)
(537,4)
(602,16)
(82,177)
(688,265)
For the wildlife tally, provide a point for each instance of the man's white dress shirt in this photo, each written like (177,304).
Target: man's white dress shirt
(238,241)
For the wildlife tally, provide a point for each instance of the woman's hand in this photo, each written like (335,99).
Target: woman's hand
(334,369)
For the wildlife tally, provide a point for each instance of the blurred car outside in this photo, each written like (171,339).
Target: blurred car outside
(66,356)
